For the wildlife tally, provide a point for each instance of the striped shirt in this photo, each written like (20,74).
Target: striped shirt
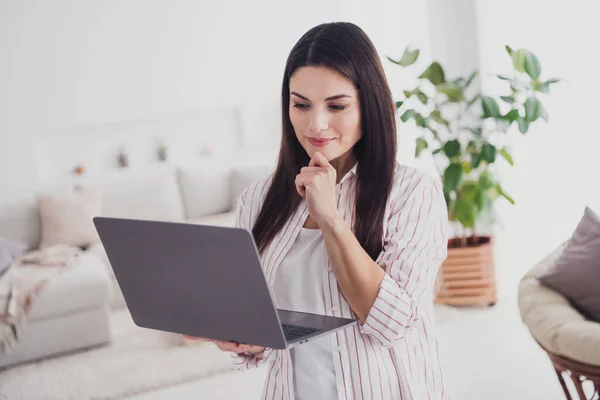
(395,353)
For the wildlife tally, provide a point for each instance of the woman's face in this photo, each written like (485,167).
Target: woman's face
(325,111)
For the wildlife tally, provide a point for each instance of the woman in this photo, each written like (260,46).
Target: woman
(343,230)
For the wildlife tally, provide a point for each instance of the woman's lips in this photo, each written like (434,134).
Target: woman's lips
(319,142)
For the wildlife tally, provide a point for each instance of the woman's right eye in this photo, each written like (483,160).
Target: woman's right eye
(300,106)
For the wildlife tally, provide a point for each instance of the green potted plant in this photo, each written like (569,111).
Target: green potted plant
(465,132)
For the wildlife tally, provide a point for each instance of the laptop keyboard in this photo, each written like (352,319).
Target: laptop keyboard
(292,332)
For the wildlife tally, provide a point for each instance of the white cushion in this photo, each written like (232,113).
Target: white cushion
(243,176)
(117,300)
(67,217)
(205,188)
(553,322)
(151,194)
(83,286)
(224,219)
(97,249)
(20,222)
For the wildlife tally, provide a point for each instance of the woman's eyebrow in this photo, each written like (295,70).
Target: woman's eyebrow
(337,96)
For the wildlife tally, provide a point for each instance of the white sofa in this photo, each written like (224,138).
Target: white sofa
(74,312)
(204,193)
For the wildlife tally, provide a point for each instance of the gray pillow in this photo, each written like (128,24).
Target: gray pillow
(576,273)
(9,251)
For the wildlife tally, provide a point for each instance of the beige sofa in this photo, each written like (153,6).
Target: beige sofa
(74,312)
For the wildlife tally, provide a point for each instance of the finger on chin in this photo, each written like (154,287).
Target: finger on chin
(318,159)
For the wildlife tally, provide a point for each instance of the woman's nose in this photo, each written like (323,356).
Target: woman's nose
(319,122)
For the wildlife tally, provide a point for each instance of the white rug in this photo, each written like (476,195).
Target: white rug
(137,361)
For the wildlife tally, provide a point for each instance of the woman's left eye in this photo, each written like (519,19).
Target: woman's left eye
(336,107)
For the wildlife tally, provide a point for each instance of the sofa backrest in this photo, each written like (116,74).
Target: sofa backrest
(151,193)
(20,222)
(205,188)
(243,176)
(164,193)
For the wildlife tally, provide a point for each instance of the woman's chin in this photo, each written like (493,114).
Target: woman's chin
(328,154)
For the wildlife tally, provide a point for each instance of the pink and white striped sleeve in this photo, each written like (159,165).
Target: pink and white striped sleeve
(415,245)
(246,213)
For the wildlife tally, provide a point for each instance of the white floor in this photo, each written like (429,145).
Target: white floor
(489,353)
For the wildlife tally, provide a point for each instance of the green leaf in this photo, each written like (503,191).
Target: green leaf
(408,58)
(490,107)
(540,86)
(399,104)
(544,114)
(506,156)
(512,116)
(436,115)
(505,77)
(392,60)
(488,153)
(518,58)
(436,151)
(407,93)
(532,109)
(470,79)
(503,194)
(466,212)
(518,86)
(508,99)
(480,200)
(423,97)
(486,181)
(475,160)
(492,193)
(471,147)
(469,190)
(421,145)
(543,87)
(532,65)
(473,100)
(452,148)
(523,125)
(407,115)
(452,177)
(509,50)
(466,166)
(476,131)
(420,121)
(453,91)
(434,73)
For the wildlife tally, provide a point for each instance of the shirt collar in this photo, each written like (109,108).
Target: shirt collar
(350,173)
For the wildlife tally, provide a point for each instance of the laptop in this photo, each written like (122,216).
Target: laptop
(204,281)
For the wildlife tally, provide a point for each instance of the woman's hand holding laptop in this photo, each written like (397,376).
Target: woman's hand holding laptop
(232,347)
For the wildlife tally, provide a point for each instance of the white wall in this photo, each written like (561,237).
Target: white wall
(70,68)
(557,171)
(454,40)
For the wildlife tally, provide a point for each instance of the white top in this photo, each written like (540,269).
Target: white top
(298,286)
(394,353)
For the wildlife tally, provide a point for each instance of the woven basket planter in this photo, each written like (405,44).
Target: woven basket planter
(468,275)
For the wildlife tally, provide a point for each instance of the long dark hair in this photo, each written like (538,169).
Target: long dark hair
(345,48)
